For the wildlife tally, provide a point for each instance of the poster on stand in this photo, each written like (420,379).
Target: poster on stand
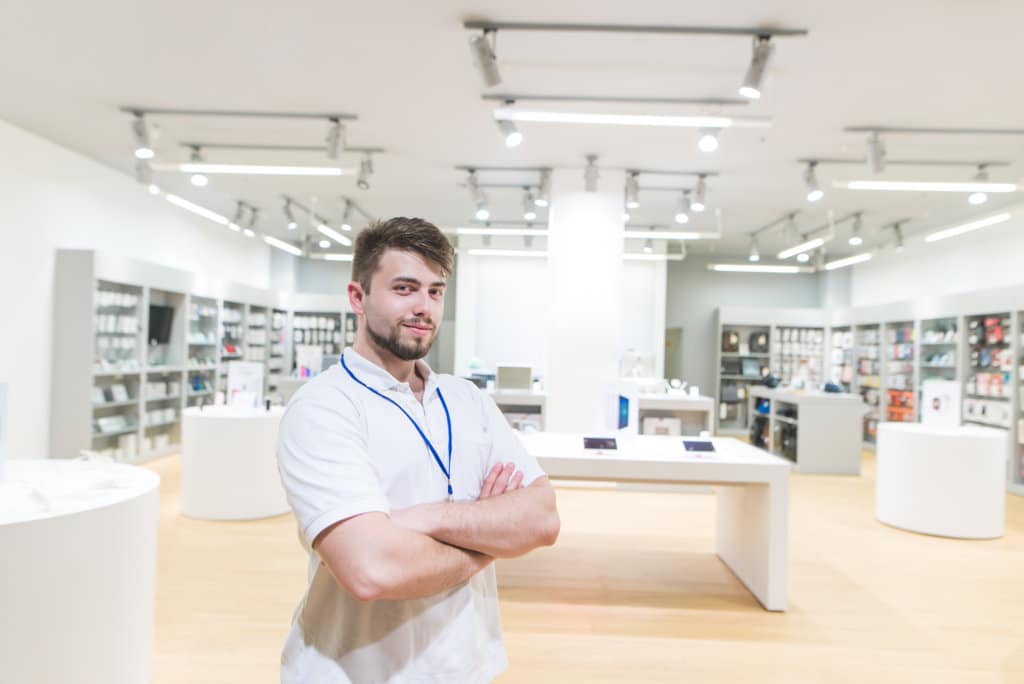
(940,404)
(245,384)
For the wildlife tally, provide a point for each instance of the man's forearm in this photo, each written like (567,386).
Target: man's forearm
(502,526)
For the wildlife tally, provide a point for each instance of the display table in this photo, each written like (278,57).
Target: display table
(522,407)
(679,405)
(78,542)
(752,487)
(946,481)
(229,464)
(819,431)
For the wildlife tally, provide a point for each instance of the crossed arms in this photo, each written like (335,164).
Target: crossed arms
(425,549)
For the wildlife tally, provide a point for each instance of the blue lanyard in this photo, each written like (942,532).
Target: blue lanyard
(433,451)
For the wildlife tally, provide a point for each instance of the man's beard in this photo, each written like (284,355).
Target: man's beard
(403,350)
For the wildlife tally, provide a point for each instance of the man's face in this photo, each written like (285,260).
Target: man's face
(405,305)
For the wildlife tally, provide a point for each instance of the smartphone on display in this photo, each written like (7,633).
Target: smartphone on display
(698,445)
(623,412)
(599,443)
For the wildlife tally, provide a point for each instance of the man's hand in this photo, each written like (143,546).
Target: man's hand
(501,480)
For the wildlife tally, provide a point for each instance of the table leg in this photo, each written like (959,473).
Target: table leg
(752,537)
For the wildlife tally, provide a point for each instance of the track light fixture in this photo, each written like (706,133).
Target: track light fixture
(511,134)
(875,152)
(140,137)
(897,231)
(755,255)
(143,171)
(683,208)
(855,237)
(699,192)
(751,86)
(484,57)
(198,179)
(289,216)
(980,177)
(632,190)
(648,246)
(365,171)
(529,208)
(543,197)
(235,223)
(335,138)
(591,174)
(814,192)
(708,139)
(346,216)
(481,210)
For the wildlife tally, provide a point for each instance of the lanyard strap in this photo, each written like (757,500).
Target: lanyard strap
(423,436)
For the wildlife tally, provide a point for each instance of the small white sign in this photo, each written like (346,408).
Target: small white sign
(245,383)
(940,403)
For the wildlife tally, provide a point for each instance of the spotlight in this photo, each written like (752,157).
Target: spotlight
(754,254)
(855,238)
(632,190)
(751,87)
(648,246)
(708,140)
(981,177)
(254,217)
(543,197)
(512,136)
(591,174)
(154,189)
(346,225)
(699,192)
(365,171)
(683,210)
(292,223)
(529,210)
(324,244)
(335,138)
(140,136)
(897,230)
(803,257)
(875,153)
(235,223)
(485,59)
(625,216)
(199,180)
(814,192)
(482,212)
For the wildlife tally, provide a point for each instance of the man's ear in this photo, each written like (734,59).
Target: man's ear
(356,296)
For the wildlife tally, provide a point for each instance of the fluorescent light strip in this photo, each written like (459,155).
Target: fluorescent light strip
(848,261)
(537,116)
(652,257)
(752,268)
(196,209)
(800,249)
(966,227)
(334,235)
(663,235)
(259,170)
(282,245)
(511,232)
(337,257)
(913,186)
(508,252)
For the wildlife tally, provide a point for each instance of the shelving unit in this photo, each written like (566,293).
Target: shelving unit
(1016,478)
(869,377)
(841,358)
(798,354)
(316,328)
(899,373)
(278,349)
(232,339)
(203,345)
(989,385)
(744,360)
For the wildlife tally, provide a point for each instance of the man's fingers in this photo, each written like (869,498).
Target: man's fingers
(502,482)
(515,482)
(487,489)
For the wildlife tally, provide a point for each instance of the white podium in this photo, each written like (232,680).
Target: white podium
(946,481)
(229,464)
(78,542)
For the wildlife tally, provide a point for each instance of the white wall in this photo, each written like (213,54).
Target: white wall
(985,259)
(53,197)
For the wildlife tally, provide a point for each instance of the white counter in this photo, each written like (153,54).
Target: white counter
(78,542)
(946,481)
(679,405)
(229,463)
(752,521)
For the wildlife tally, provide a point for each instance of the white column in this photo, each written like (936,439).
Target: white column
(584,312)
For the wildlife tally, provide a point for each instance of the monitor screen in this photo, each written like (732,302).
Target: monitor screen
(623,412)
(599,443)
(160,320)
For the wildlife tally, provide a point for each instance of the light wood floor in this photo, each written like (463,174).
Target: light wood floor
(633,593)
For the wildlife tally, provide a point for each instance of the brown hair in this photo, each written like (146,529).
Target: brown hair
(406,234)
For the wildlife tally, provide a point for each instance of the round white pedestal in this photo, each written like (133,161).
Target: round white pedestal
(944,481)
(229,464)
(78,542)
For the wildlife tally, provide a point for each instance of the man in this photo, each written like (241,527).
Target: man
(406,485)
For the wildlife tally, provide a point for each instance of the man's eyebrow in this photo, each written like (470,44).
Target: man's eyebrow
(415,281)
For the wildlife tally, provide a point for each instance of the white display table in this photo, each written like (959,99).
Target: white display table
(78,543)
(229,464)
(946,481)
(752,522)
(680,405)
(828,428)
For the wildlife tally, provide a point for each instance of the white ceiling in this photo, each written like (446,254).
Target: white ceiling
(406,70)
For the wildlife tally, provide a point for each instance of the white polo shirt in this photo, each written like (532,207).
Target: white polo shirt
(343,451)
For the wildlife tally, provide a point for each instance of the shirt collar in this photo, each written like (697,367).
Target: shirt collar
(379,379)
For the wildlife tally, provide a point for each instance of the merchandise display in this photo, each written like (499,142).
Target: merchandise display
(798,356)
(744,360)
(988,385)
(320,329)
(841,358)
(899,373)
(1017,475)
(939,342)
(869,378)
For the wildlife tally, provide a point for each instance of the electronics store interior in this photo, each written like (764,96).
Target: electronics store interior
(746,300)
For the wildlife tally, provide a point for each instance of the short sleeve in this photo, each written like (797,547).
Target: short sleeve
(505,444)
(324,463)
